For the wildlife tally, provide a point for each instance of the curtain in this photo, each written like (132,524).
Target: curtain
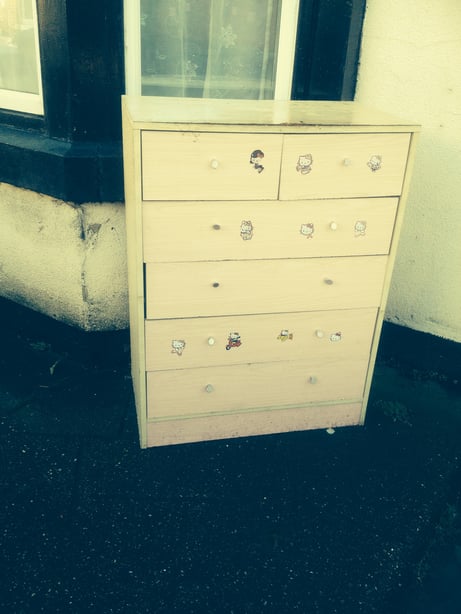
(209,48)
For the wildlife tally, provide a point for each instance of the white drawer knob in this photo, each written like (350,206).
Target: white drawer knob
(214,164)
(347,162)
(333,226)
(312,379)
(211,341)
(319,333)
(209,388)
(216,226)
(328,281)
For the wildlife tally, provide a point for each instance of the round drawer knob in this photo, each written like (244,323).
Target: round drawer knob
(333,226)
(214,164)
(211,341)
(347,162)
(216,284)
(209,388)
(319,333)
(216,226)
(312,379)
(328,281)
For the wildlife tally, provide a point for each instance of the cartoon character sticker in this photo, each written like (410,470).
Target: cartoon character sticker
(307,230)
(233,341)
(285,335)
(360,228)
(178,346)
(335,337)
(375,163)
(304,165)
(256,158)
(246,230)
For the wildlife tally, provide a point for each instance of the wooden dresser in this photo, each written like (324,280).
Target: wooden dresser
(261,238)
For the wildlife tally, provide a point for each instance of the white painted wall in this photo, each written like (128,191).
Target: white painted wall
(65,261)
(410,65)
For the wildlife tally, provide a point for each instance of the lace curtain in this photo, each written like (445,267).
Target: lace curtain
(209,48)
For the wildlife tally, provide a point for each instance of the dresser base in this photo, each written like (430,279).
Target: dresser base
(207,428)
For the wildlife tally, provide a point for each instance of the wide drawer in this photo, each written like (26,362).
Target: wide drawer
(260,385)
(210,166)
(189,289)
(201,342)
(343,165)
(242,231)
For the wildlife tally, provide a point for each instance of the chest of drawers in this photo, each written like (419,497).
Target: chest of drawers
(261,238)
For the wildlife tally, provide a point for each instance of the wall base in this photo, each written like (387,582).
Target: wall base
(64,260)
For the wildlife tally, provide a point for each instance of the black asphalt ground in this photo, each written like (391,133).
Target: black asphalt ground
(367,520)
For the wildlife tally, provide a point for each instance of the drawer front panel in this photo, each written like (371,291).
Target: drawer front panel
(181,290)
(245,424)
(241,387)
(201,342)
(343,165)
(210,166)
(174,232)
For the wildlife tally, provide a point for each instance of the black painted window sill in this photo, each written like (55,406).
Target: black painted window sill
(72,171)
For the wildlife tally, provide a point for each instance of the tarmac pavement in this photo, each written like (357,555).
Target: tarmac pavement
(367,520)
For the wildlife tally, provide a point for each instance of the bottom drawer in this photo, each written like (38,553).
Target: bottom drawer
(262,385)
(206,428)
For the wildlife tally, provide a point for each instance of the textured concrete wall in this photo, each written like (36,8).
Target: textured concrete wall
(68,262)
(410,66)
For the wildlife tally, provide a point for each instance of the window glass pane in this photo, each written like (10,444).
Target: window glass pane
(18,47)
(210,48)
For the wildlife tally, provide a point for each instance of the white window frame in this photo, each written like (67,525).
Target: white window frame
(285,52)
(25,102)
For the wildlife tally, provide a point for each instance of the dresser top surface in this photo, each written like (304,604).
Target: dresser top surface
(269,114)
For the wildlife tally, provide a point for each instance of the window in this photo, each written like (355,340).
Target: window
(211,48)
(70,146)
(20,81)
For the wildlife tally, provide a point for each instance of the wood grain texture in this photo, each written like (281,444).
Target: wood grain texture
(213,390)
(272,337)
(188,289)
(224,230)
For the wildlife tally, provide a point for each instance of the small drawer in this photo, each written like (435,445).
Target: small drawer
(202,342)
(209,166)
(343,165)
(261,385)
(174,232)
(190,289)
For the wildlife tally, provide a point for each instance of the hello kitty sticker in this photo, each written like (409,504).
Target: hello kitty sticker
(285,335)
(233,341)
(178,346)
(307,230)
(304,165)
(246,230)
(375,163)
(256,159)
(360,228)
